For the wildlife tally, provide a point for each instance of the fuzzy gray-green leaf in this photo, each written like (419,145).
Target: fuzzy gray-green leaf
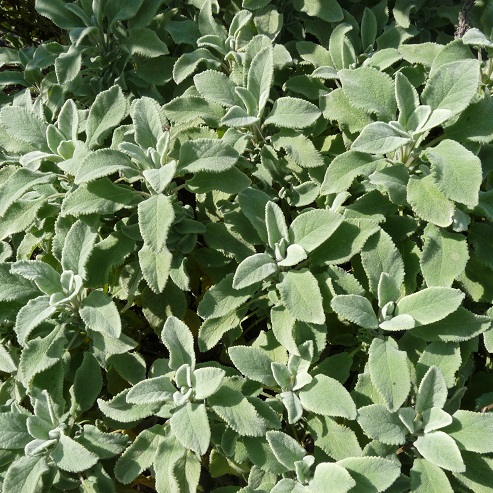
(300,294)
(355,308)
(389,372)
(430,304)
(326,396)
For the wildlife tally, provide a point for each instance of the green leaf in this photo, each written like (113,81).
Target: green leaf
(341,48)
(325,395)
(130,366)
(444,257)
(328,473)
(334,439)
(301,295)
(216,87)
(345,168)
(380,255)
(77,248)
(169,452)
(430,304)
(254,269)
(239,414)
(99,313)
(144,42)
(299,148)
(435,418)
(347,241)
(472,431)
(474,124)
(260,76)
(380,138)
(87,385)
(460,325)
(372,474)
(185,109)
(260,453)
(457,171)
(21,181)
(179,341)
(44,275)
(98,197)
(451,87)
(71,456)
(209,155)
(371,90)
(207,381)
(289,112)
(191,427)
(153,390)
(432,391)
(222,298)
(428,478)
(286,486)
(187,471)
(213,329)
(156,215)
(400,322)
(237,117)
(55,11)
(159,179)
(24,475)
(103,162)
(310,229)
(148,120)
(20,216)
(31,315)
(24,126)
(253,204)
(119,409)
(446,356)
(389,372)
(478,475)
(294,255)
(313,53)
(337,107)
(479,236)
(14,287)
(428,201)
(68,65)
(7,363)
(139,455)
(283,324)
(440,449)
(286,449)
(13,434)
(97,480)
(116,10)
(355,308)
(107,111)
(275,223)
(188,63)
(406,96)
(155,267)
(253,363)
(327,10)
(388,289)
(378,423)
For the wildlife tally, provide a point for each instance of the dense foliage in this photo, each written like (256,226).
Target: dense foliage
(246,246)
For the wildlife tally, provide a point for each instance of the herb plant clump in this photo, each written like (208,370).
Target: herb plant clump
(246,247)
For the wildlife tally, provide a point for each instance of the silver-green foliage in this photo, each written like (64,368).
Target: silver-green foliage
(233,259)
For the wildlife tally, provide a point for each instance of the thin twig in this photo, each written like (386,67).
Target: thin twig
(463,24)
